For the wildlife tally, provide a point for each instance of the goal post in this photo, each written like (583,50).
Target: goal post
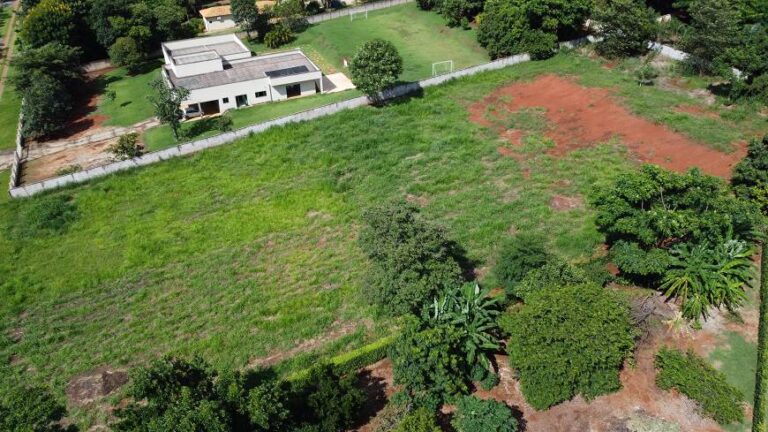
(442,67)
(358,15)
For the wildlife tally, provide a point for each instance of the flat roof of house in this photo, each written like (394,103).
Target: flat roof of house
(216,11)
(283,64)
(219,49)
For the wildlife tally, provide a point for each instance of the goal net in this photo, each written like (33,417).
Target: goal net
(442,67)
(358,15)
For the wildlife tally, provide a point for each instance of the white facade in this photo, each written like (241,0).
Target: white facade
(218,18)
(221,73)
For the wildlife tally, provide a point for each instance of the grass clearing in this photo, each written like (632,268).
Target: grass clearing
(422,38)
(10,107)
(130,104)
(247,250)
(737,359)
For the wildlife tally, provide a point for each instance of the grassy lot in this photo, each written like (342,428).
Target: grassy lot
(737,358)
(249,249)
(130,104)
(422,38)
(10,106)
(161,137)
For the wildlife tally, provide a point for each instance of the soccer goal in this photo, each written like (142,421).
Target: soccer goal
(358,15)
(442,67)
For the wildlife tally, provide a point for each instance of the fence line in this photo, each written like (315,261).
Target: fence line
(228,137)
(383,4)
(18,153)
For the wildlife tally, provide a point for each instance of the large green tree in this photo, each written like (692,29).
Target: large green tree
(245,14)
(55,60)
(626,27)
(569,341)
(714,29)
(46,107)
(49,21)
(32,409)
(376,66)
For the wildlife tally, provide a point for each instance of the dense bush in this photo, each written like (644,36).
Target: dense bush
(420,420)
(532,26)
(555,274)
(714,29)
(519,255)
(278,36)
(224,123)
(125,52)
(693,377)
(326,401)
(429,365)
(473,414)
(32,409)
(412,261)
(568,341)
(626,26)
(459,12)
(376,66)
(389,417)
(748,55)
(750,176)
(645,213)
(46,108)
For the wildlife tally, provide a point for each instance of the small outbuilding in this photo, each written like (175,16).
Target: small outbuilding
(218,18)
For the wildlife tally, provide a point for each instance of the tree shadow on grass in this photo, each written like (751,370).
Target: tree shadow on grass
(374,388)
(196,128)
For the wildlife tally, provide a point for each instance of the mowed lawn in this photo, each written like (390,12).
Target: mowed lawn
(250,249)
(130,104)
(421,38)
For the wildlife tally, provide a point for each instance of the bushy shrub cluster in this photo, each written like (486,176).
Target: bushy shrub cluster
(419,420)
(750,176)
(569,340)
(278,36)
(126,147)
(173,391)
(626,27)
(693,377)
(519,255)
(32,409)
(412,260)
(473,414)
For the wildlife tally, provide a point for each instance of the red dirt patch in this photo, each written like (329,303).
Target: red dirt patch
(582,117)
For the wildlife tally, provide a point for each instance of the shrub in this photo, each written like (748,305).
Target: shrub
(224,123)
(568,341)
(473,414)
(411,259)
(327,401)
(389,417)
(376,66)
(125,52)
(429,365)
(32,409)
(555,274)
(69,169)
(750,176)
(519,255)
(693,377)
(278,36)
(646,74)
(126,147)
(626,27)
(420,420)
(426,4)
(713,31)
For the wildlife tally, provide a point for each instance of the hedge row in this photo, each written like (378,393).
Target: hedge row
(761,375)
(693,377)
(353,360)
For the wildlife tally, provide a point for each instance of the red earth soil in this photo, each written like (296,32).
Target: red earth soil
(581,117)
(696,111)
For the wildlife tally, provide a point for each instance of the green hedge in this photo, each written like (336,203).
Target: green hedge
(761,374)
(352,360)
(693,377)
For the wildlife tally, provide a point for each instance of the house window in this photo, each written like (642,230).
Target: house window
(261,94)
(225,100)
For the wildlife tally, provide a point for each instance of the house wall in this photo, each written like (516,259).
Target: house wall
(197,68)
(219,23)
(230,91)
(307,88)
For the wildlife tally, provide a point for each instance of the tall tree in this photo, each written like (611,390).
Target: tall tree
(376,66)
(245,14)
(714,29)
(626,27)
(49,21)
(47,103)
(167,102)
(55,60)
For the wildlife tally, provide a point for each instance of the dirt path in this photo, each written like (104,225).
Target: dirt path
(10,40)
(579,117)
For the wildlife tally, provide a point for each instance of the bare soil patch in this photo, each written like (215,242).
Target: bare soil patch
(566,203)
(87,156)
(581,117)
(93,386)
(697,111)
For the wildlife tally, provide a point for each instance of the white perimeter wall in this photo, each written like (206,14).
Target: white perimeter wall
(219,23)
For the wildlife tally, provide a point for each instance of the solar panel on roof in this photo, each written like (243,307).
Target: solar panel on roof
(287,71)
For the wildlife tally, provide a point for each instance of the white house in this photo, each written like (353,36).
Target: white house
(217,18)
(221,73)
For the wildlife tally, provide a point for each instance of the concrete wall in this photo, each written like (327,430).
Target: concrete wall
(307,88)
(197,68)
(219,23)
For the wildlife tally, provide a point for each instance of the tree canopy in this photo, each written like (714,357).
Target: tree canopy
(376,66)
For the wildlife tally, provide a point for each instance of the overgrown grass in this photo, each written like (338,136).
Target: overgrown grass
(130,104)
(736,359)
(161,137)
(249,249)
(10,106)
(421,38)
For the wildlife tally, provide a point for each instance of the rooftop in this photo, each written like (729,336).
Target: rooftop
(204,51)
(273,65)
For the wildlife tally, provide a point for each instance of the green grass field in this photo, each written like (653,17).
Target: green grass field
(249,249)
(737,359)
(10,106)
(130,104)
(422,38)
